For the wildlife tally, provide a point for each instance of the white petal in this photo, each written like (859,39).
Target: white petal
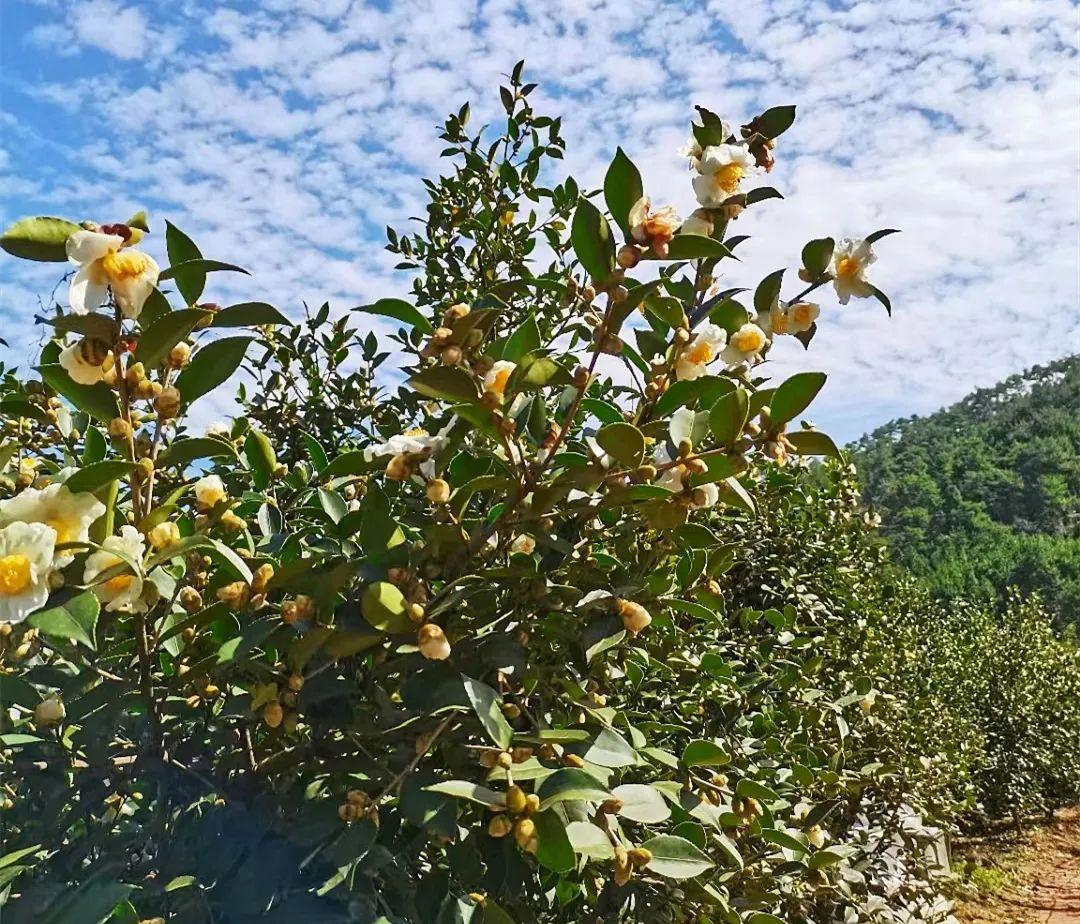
(87,246)
(682,424)
(85,295)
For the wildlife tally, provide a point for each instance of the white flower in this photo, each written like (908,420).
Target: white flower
(692,150)
(699,222)
(68,515)
(653,229)
(523,544)
(598,452)
(498,375)
(103,264)
(745,344)
(209,490)
(707,344)
(86,361)
(788,319)
(411,442)
(722,167)
(218,428)
(706,495)
(848,268)
(26,560)
(123,591)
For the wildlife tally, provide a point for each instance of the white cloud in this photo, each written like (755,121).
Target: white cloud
(284,135)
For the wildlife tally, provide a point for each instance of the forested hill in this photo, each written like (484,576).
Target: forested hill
(986,493)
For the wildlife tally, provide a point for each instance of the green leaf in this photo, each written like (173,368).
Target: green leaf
(784,839)
(13,689)
(200,265)
(383,606)
(155,307)
(211,366)
(261,458)
(43,238)
(622,188)
(249,314)
(589,840)
(95,476)
(830,856)
(702,753)
(333,503)
(348,463)
(696,247)
(763,917)
(553,848)
(591,237)
(610,749)
(727,416)
(752,789)
(675,857)
(767,292)
(729,314)
(813,443)
(624,442)
(774,122)
(711,131)
(379,531)
(94,325)
(570,783)
(74,621)
(16,855)
(99,401)
(181,249)
(165,333)
(817,254)
(523,340)
(883,298)
(875,236)
(462,789)
(185,450)
(761,193)
(641,803)
(487,704)
(448,383)
(794,396)
(399,310)
(180,882)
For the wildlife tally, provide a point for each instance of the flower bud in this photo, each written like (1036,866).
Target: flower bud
(232,523)
(190,599)
(635,618)
(167,403)
(433,643)
(525,835)
(262,576)
(515,800)
(624,869)
(119,429)
(450,356)
(816,837)
(179,356)
(273,714)
(136,373)
(438,491)
(301,607)
(49,712)
(629,256)
(455,313)
(399,468)
(639,856)
(235,595)
(164,535)
(500,826)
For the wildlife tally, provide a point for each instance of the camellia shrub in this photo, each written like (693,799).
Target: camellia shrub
(499,643)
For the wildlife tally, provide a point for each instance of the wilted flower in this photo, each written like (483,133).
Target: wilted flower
(86,361)
(745,344)
(699,222)
(707,344)
(69,515)
(122,592)
(26,560)
(848,268)
(105,264)
(722,168)
(653,229)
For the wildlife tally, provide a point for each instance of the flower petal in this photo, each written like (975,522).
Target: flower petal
(87,246)
(85,295)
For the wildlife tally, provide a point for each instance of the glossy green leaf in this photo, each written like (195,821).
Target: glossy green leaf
(249,314)
(487,704)
(676,858)
(165,333)
(211,366)
(42,239)
(399,310)
(591,237)
(794,396)
(622,188)
(74,620)
(99,401)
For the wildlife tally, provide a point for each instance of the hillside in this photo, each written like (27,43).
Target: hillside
(986,494)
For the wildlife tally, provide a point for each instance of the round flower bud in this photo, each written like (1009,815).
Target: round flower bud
(816,837)
(273,714)
(450,356)
(516,800)
(164,535)
(635,618)
(432,642)
(235,595)
(49,712)
(119,429)
(191,600)
(263,575)
(438,491)
(167,403)
(525,835)
(179,356)
(629,256)
(500,826)
(398,468)
(295,683)
(455,313)
(136,373)
(209,492)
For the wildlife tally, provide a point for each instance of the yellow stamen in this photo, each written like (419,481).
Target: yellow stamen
(749,341)
(416,431)
(14,574)
(498,384)
(847,267)
(64,529)
(701,353)
(802,314)
(779,321)
(728,178)
(119,584)
(124,264)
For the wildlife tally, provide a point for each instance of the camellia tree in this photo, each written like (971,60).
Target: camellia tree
(468,651)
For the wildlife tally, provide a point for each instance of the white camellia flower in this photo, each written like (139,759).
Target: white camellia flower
(745,344)
(523,544)
(209,490)
(599,453)
(498,375)
(848,268)
(218,428)
(700,222)
(788,319)
(692,150)
(86,361)
(706,495)
(707,344)
(26,561)
(123,591)
(722,169)
(104,264)
(653,229)
(68,515)
(412,442)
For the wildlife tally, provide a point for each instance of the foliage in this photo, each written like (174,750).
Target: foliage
(984,495)
(524,638)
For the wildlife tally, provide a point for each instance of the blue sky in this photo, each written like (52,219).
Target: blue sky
(285,134)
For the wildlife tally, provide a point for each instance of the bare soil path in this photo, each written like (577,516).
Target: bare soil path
(1036,880)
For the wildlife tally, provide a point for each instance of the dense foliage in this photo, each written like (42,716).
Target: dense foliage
(555,630)
(985,494)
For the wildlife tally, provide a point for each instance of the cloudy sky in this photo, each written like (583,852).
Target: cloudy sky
(285,134)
